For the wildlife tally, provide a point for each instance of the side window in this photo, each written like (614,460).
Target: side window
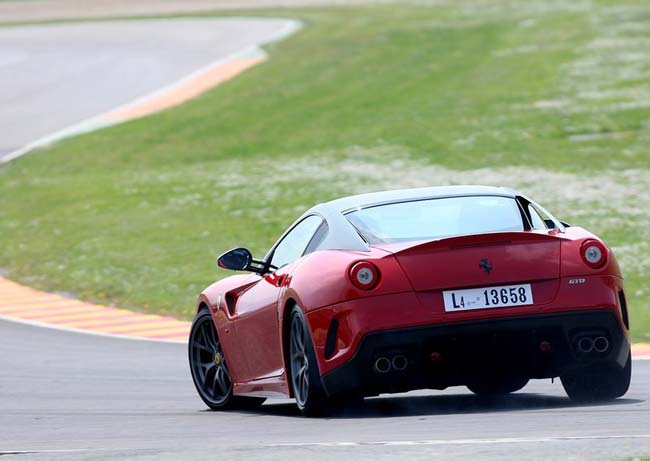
(535,215)
(318,238)
(536,220)
(541,219)
(293,244)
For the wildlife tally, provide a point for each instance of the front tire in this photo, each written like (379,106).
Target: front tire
(599,383)
(305,378)
(209,369)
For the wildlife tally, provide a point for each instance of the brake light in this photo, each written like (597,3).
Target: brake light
(593,253)
(364,275)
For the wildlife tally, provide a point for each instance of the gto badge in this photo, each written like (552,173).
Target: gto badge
(485,265)
(576,281)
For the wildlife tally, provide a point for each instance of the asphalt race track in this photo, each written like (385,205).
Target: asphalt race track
(54,76)
(66,395)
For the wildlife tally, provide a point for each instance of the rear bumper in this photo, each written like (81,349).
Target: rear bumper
(472,349)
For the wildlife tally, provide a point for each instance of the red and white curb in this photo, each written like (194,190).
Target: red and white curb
(641,351)
(23,304)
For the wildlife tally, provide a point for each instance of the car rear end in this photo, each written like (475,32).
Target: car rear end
(532,302)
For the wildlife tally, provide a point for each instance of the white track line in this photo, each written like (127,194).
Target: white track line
(505,440)
(63,450)
(400,443)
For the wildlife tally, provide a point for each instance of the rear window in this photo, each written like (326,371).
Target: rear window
(437,218)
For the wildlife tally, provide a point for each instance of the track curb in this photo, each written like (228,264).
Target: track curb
(23,304)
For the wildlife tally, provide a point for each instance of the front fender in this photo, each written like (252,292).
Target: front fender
(211,295)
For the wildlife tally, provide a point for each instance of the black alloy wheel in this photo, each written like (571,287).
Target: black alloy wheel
(209,369)
(305,379)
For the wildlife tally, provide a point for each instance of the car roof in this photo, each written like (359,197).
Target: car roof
(345,204)
(342,235)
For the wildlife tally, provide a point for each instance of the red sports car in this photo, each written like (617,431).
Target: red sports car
(414,289)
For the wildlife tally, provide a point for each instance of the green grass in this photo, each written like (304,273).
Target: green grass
(551,97)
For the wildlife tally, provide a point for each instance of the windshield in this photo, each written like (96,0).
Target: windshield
(437,218)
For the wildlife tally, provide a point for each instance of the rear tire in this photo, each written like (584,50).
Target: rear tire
(599,383)
(306,384)
(501,385)
(209,369)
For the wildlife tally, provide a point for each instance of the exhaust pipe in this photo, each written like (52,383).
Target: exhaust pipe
(601,344)
(400,362)
(382,365)
(585,344)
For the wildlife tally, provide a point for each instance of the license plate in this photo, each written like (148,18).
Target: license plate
(486,298)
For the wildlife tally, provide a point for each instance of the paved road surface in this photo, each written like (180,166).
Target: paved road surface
(103,398)
(53,76)
(35,10)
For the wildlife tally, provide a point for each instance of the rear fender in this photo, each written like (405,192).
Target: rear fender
(572,263)
(321,278)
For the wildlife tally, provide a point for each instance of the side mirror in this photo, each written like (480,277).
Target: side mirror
(239,259)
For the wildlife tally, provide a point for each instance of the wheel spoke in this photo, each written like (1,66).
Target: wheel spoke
(207,333)
(221,382)
(303,386)
(299,386)
(203,347)
(293,332)
(215,340)
(301,338)
(208,378)
(226,376)
(215,384)
(208,366)
(296,345)
(204,338)
(297,334)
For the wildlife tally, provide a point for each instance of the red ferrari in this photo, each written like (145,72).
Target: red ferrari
(414,289)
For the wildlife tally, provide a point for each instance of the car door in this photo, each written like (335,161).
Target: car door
(257,312)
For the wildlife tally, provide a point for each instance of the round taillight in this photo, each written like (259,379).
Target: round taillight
(594,254)
(364,275)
